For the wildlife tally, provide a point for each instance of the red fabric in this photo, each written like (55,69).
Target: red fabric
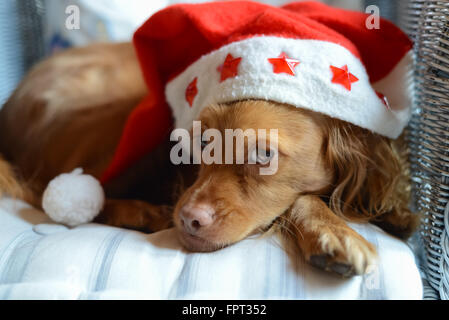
(145,128)
(175,37)
(380,49)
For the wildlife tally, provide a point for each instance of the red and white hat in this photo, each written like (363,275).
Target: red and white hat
(305,54)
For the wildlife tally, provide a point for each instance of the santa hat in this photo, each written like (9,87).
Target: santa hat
(305,54)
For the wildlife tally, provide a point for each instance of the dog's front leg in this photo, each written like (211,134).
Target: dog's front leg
(326,240)
(135,214)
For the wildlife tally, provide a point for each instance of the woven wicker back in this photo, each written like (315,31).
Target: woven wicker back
(427,23)
(21,41)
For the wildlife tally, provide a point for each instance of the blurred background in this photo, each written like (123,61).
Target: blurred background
(33,29)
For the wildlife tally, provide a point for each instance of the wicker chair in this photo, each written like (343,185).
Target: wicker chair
(427,23)
(21,39)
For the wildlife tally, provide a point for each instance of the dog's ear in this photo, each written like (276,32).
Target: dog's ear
(368,176)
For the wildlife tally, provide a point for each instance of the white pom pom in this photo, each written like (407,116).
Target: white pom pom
(73,198)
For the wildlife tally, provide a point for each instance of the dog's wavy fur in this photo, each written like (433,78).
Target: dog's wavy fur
(375,186)
(69,112)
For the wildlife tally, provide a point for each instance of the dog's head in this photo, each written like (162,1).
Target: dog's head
(351,168)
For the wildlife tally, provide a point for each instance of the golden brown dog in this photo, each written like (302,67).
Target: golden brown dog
(69,111)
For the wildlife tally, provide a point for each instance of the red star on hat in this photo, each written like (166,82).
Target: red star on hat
(229,68)
(384,99)
(284,64)
(191,91)
(343,76)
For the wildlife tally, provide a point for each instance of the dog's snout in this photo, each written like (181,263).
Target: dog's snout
(196,217)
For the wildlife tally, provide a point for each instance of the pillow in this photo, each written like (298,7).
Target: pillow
(43,260)
(80,22)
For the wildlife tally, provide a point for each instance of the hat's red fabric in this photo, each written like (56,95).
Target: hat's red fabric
(173,38)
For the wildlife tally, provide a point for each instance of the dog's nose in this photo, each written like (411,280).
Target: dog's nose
(196,217)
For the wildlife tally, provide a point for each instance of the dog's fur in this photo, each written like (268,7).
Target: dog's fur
(69,111)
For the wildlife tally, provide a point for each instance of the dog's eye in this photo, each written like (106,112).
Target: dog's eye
(201,142)
(262,157)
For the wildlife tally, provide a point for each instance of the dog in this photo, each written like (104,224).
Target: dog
(69,112)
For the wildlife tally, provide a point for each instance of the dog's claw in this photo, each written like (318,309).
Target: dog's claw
(325,262)
(319,261)
(343,269)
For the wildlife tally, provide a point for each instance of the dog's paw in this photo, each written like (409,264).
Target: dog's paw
(136,215)
(342,251)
